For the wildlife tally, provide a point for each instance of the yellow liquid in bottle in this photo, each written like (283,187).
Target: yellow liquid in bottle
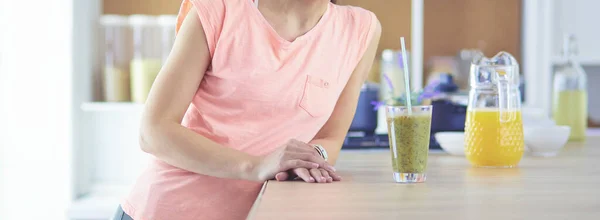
(143,73)
(570,109)
(491,143)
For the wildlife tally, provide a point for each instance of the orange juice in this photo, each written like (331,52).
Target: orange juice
(492,143)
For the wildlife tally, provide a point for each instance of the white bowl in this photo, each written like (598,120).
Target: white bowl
(535,117)
(452,142)
(546,141)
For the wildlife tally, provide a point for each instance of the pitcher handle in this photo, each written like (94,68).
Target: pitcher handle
(507,110)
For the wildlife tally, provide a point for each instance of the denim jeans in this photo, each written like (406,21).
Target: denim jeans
(120,215)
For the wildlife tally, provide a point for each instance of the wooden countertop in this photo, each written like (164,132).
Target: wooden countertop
(562,187)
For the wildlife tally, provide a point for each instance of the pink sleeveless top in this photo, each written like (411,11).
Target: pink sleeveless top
(259,92)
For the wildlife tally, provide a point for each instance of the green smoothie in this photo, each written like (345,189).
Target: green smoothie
(409,142)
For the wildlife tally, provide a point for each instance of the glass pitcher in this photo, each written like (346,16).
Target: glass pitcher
(494,128)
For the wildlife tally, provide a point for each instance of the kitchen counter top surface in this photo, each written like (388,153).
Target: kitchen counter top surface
(562,187)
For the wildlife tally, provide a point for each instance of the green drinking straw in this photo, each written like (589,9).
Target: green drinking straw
(406,78)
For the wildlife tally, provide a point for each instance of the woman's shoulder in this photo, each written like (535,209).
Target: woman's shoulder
(354,14)
(356,21)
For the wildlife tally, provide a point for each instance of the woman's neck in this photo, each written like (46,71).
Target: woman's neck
(293,18)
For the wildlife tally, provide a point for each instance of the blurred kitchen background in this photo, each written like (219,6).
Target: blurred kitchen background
(74,76)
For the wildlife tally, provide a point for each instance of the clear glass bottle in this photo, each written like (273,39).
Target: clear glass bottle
(117,55)
(392,75)
(570,103)
(493,127)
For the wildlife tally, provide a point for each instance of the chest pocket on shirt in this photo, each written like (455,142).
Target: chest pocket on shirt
(318,98)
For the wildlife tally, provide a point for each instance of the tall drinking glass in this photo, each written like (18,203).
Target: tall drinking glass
(409,141)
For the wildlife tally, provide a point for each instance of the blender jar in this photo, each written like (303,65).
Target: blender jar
(146,62)
(167,24)
(117,54)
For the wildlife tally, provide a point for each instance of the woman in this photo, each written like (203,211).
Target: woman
(252,91)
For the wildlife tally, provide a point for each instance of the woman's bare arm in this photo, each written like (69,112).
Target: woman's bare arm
(162,135)
(333,133)
(161,132)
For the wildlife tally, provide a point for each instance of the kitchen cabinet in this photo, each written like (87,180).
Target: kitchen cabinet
(491,25)
(443,28)
(395,19)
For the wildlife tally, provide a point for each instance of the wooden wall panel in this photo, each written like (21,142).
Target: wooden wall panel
(151,7)
(457,24)
(394,16)
(450,25)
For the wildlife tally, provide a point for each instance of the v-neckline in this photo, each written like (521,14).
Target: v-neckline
(314,30)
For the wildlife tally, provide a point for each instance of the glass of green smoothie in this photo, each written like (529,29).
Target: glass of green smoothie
(409,132)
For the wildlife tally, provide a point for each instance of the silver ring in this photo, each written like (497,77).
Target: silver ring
(321,151)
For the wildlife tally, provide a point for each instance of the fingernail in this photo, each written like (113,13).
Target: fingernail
(331,168)
(315,165)
(311,180)
(323,179)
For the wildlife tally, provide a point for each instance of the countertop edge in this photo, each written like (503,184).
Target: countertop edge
(257,201)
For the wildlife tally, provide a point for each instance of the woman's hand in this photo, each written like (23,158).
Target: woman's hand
(293,155)
(309,175)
